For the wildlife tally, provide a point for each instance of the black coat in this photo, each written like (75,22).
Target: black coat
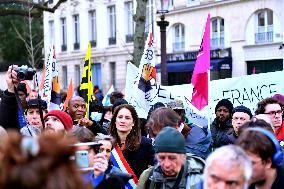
(219,132)
(140,159)
(9,111)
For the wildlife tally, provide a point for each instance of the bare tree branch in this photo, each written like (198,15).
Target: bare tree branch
(40,7)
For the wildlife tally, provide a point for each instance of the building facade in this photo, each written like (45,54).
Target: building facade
(246,37)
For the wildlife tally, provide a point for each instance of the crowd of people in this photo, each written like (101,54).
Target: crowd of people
(114,148)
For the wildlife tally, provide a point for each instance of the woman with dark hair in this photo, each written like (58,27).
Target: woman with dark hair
(136,149)
(198,139)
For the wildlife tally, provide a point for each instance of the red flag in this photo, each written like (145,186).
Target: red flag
(200,76)
(69,94)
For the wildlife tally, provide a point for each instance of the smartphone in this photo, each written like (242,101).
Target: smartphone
(82,158)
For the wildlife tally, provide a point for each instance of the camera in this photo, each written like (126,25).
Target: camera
(25,73)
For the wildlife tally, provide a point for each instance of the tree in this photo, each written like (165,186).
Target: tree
(139,39)
(21,31)
(21,7)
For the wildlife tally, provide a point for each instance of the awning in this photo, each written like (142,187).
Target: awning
(188,66)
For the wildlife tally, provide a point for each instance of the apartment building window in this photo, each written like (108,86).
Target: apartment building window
(77,75)
(178,44)
(112,25)
(92,28)
(51,32)
(97,74)
(64,77)
(63,34)
(129,24)
(76,31)
(149,17)
(264,29)
(217,34)
(193,2)
(112,74)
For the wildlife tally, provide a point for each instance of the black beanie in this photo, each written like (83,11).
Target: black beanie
(242,109)
(170,140)
(225,102)
(118,102)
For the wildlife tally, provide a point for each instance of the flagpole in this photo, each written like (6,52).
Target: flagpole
(208,106)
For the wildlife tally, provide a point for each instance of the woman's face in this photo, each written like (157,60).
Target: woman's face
(124,121)
(105,148)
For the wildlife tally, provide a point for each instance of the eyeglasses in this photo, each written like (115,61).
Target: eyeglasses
(273,113)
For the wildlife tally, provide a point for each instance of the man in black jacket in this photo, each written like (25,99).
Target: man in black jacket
(222,123)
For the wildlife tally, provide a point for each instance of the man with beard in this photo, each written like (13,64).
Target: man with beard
(77,110)
(266,156)
(222,123)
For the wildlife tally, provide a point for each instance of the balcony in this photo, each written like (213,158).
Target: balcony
(264,37)
(129,38)
(76,46)
(63,47)
(178,46)
(93,43)
(112,40)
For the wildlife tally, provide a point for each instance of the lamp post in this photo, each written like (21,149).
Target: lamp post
(162,9)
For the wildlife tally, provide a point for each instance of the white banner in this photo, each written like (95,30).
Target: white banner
(246,90)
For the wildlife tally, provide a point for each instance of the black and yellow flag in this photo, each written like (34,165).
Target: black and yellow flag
(86,87)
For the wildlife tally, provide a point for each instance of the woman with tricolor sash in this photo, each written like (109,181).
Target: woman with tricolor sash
(133,153)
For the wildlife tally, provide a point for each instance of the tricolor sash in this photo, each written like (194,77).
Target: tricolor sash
(120,162)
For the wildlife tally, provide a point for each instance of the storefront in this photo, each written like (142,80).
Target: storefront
(181,65)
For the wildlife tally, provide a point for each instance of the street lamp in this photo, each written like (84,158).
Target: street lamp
(162,9)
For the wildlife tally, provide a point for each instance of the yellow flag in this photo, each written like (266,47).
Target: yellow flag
(86,87)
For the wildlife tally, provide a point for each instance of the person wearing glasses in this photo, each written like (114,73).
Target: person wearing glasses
(274,109)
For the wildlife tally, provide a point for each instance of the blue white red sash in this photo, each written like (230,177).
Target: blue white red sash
(120,162)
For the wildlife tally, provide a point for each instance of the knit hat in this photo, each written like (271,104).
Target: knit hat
(225,102)
(65,118)
(170,140)
(242,109)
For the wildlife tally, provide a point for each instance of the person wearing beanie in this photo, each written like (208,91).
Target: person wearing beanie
(32,113)
(57,121)
(175,168)
(241,115)
(222,123)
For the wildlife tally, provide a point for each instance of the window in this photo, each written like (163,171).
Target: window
(51,32)
(77,75)
(264,30)
(149,16)
(76,31)
(112,25)
(217,33)
(112,74)
(63,34)
(193,2)
(92,28)
(64,74)
(97,74)
(178,44)
(129,24)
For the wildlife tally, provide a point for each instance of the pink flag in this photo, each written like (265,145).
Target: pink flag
(200,76)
